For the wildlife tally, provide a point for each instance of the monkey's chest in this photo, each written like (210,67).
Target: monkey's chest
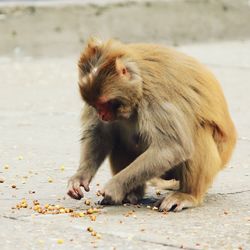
(129,138)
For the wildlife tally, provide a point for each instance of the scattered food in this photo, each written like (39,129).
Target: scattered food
(130,213)
(98,236)
(93,233)
(20,157)
(6,166)
(98,193)
(93,217)
(87,202)
(50,180)
(60,241)
(13,186)
(1,180)
(62,168)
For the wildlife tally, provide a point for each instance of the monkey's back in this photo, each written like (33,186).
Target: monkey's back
(188,84)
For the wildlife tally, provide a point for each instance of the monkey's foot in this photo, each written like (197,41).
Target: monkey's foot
(165,184)
(135,195)
(176,202)
(113,193)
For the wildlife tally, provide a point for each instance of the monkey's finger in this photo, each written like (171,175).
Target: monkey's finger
(85,185)
(158,203)
(168,204)
(102,192)
(71,190)
(183,204)
(77,189)
(73,194)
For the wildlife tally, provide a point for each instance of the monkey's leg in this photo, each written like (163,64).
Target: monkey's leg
(95,146)
(143,168)
(168,181)
(119,159)
(196,175)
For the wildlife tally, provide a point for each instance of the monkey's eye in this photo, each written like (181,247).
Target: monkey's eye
(115,104)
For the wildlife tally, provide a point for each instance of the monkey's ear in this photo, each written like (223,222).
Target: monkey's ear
(129,69)
(94,44)
(121,68)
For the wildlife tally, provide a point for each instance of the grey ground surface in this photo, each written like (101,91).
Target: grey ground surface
(39,111)
(40,129)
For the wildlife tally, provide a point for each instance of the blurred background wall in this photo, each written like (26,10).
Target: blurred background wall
(60,28)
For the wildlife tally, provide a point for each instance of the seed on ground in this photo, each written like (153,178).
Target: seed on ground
(60,241)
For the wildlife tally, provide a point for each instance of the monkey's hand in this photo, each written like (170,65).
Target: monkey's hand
(113,193)
(78,180)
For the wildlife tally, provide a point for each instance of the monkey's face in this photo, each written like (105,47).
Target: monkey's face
(113,96)
(110,82)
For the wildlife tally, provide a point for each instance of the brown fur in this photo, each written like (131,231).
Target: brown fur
(167,116)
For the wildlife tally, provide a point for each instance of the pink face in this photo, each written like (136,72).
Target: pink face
(105,111)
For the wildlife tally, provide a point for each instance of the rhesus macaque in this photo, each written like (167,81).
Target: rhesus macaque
(154,112)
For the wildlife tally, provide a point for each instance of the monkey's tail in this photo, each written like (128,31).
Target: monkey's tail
(225,138)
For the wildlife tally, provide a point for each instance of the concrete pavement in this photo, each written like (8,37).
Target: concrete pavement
(39,128)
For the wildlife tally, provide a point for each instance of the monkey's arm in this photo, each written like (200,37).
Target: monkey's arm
(171,143)
(95,146)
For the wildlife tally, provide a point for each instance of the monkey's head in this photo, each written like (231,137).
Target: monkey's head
(109,80)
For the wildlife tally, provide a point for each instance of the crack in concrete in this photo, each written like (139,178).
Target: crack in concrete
(151,242)
(12,217)
(237,192)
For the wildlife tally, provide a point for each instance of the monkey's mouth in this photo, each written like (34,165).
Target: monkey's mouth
(107,111)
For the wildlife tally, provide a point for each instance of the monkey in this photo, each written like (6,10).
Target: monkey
(154,112)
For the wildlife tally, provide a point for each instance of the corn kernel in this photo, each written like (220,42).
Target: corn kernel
(87,202)
(93,233)
(62,211)
(6,166)
(58,206)
(60,241)
(93,217)
(90,211)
